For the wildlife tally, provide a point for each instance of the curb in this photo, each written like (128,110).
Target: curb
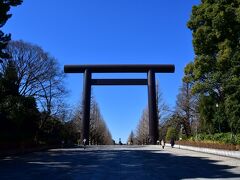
(232,154)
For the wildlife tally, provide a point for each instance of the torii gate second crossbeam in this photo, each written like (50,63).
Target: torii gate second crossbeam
(150,69)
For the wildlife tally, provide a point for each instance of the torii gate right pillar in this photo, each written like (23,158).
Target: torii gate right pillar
(152,108)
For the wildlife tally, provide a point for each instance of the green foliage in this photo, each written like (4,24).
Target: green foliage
(19,115)
(9,80)
(183,136)
(226,138)
(215,72)
(4,16)
(171,133)
(213,118)
(232,105)
(21,124)
(206,113)
(51,132)
(174,122)
(238,139)
(20,118)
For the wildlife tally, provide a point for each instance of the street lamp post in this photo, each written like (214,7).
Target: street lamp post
(219,128)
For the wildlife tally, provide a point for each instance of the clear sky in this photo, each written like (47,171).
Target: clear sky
(111,32)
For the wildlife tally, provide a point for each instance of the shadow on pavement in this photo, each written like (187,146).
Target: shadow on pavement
(111,164)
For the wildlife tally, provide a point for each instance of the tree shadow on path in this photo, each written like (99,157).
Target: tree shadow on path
(111,164)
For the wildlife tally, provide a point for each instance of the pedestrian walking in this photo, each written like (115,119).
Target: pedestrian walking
(84,143)
(163,143)
(172,142)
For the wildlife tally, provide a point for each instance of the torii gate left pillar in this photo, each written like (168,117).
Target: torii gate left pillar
(86,105)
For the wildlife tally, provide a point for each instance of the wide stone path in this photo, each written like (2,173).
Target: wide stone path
(119,162)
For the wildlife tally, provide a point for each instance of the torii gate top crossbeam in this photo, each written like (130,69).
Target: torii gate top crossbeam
(120,68)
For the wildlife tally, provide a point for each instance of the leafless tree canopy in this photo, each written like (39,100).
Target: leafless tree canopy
(186,107)
(38,75)
(162,108)
(131,139)
(142,130)
(99,133)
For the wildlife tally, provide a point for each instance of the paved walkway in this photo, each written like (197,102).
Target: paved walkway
(119,162)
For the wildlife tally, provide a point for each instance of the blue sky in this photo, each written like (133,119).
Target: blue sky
(111,32)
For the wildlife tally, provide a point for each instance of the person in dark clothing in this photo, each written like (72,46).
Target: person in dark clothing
(172,142)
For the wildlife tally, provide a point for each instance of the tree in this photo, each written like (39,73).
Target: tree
(36,77)
(19,114)
(131,138)
(39,76)
(57,130)
(142,131)
(9,80)
(4,16)
(232,102)
(171,133)
(187,107)
(98,131)
(215,71)
(95,122)
(162,107)
(174,121)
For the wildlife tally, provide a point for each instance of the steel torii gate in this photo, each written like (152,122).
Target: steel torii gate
(150,69)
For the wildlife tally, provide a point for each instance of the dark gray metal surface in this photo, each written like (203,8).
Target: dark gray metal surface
(119,82)
(120,68)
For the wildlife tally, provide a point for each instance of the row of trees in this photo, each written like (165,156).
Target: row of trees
(141,134)
(32,107)
(31,96)
(98,131)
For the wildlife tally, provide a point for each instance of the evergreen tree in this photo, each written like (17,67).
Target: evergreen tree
(4,16)
(215,72)
(19,114)
(9,80)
